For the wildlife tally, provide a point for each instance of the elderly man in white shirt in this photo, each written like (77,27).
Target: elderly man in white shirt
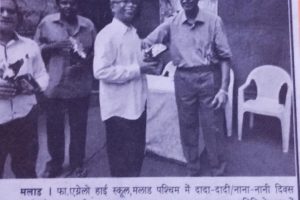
(123,88)
(19,57)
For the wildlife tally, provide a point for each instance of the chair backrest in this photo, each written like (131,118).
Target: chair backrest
(269,80)
(169,70)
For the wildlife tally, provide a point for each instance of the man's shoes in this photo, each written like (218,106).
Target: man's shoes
(194,173)
(79,172)
(220,170)
(51,172)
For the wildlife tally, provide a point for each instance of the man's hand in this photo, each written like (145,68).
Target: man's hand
(7,90)
(27,89)
(149,67)
(145,45)
(61,45)
(219,99)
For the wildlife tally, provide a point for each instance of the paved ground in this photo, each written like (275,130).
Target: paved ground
(259,154)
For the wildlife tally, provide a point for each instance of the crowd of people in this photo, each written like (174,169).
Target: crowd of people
(67,54)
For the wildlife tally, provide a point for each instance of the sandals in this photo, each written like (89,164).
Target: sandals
(80,172)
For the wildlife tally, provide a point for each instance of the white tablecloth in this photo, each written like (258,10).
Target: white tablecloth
(163,137)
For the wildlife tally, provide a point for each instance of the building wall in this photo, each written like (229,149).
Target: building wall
(96,10)
(258,32)
(33,12)
(148,17)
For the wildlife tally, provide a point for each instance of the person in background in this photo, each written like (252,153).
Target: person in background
(119,67)
(198,46)
(66,40)
(19,57)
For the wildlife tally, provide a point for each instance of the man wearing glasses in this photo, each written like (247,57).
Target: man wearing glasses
(198,45)
(118,66)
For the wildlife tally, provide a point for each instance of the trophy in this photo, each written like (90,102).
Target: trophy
(153,52)
(9,73)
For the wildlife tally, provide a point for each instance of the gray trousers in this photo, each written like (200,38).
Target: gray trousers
(195,89)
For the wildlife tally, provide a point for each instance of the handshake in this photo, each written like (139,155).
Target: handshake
(150,63)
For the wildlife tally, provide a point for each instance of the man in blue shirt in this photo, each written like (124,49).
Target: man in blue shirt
(66,40)
(198,45)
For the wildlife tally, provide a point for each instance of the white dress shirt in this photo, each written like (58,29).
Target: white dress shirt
(123,89)
(26,49)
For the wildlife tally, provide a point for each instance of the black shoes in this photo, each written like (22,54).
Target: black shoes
(80,172)
(220,170)
(51,172)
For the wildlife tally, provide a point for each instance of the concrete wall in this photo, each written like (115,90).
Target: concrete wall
(96,10)
(148,18)
(33,11)
(257,29)
(258,32)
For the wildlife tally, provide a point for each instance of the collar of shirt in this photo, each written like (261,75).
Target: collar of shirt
(16,37)
(200,18)
(56,18)
(122,28)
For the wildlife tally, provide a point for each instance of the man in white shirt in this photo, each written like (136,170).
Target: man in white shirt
(19,57)
(123,89)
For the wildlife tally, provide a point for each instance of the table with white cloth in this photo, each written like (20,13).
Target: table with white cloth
(162,134)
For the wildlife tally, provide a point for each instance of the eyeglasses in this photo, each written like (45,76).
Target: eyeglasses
(134,2)
(9,11)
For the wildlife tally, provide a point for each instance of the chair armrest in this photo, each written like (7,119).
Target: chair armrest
(288,98)
(241,95)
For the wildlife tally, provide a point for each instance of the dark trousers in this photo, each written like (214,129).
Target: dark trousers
(19,138)
(195,91)
(77,109)
(126,145)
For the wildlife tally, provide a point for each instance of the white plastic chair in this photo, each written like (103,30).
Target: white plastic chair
(269,80)
(228,106)
(169,70)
